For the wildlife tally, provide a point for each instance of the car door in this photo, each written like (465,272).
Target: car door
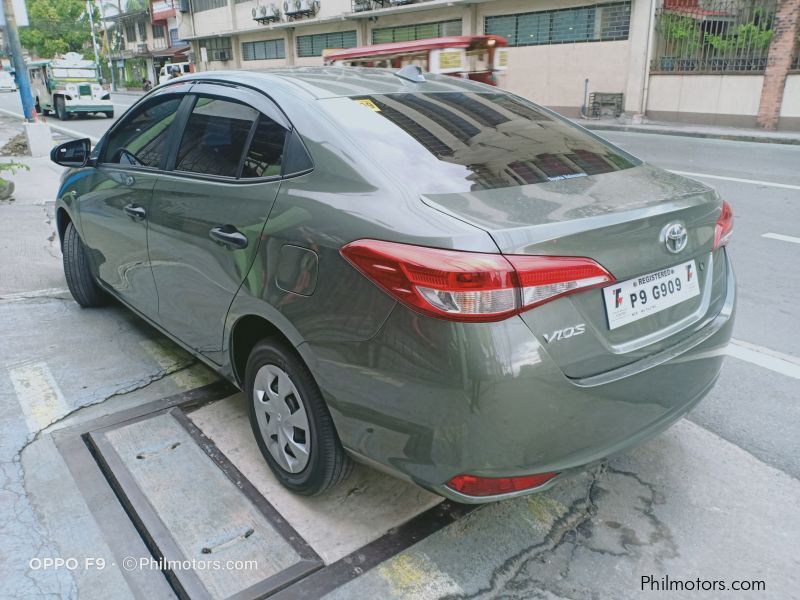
(209,209)
(113,212)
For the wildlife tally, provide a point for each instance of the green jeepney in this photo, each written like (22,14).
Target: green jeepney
(68,86)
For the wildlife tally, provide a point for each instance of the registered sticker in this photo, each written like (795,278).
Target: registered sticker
(368,103)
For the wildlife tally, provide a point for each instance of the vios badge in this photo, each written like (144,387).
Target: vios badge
(675,237)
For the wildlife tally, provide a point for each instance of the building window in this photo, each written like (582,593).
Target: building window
(158,32)
(599,22)
(264,50)
(174,40)
(130,32)
(313,45)
(201,5)
(142,31)
(716,36)
(218,43)
(421,31)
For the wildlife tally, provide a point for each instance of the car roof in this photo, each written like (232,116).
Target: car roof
(331,82)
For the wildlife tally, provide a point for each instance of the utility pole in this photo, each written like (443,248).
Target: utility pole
(12,38)
(90,10)
(108,46)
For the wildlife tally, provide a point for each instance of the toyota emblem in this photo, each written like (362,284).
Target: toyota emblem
(675,237)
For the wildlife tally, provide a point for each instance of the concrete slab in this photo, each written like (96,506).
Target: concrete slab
(347,517)
(207,516)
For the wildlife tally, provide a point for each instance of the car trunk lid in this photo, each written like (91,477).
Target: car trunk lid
(617,219)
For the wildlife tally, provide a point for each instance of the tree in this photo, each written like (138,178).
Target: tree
(57,27)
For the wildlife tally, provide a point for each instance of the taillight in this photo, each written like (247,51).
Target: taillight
(472,485)
(724,226)
(470,286)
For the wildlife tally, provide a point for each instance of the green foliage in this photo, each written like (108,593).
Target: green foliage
(57,27)
(683,34)
(747,35)
(13,167)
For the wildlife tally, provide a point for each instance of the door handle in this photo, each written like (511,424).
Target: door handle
(137,213)
(228,236)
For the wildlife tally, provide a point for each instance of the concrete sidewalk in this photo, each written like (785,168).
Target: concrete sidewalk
(693,130)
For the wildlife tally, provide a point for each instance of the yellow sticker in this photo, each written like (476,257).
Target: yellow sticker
(369,104)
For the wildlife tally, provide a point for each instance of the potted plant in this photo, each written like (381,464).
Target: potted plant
(6,186)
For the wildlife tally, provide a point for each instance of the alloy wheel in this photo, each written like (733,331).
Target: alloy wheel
(282,418)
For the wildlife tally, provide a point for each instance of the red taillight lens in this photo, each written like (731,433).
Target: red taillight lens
(470,286)
(472,485)
(545,278)
(724,226)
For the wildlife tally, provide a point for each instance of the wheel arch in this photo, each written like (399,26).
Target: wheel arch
(245,333)
(63,218)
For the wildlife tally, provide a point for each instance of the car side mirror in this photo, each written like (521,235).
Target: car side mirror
(74,153)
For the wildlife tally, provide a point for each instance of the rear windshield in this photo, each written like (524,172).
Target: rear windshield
(456,142)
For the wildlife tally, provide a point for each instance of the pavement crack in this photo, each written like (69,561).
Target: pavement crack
(134,387)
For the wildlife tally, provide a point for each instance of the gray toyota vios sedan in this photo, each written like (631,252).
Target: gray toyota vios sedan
(428,275)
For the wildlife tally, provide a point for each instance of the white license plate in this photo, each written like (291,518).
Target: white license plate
(640,297)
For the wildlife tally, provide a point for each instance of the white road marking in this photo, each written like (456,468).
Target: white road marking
(59,128)
(38,395)
(34,294)
(787,186)
(784,364)
(781,237)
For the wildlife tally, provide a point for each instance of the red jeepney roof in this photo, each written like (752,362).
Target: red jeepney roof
(453,41)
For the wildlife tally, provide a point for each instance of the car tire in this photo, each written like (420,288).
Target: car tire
(110,114)
(82,284)
(61,109)
(282,393)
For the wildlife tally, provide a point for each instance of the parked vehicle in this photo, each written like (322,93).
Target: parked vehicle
(184,68)
(441,280)
(68,86)
(477,57)
(7,82)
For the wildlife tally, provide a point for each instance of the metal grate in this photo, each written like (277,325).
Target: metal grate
(712,36)
(593,23)
(313,45)
(603,104)
(421,31)
(201,5)
(264,50)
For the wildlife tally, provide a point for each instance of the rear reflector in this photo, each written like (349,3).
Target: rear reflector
(724,226)
(472,485)
(471,286)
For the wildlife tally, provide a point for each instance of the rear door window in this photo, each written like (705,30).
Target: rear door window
(215,137)
(264,157)
(463,141)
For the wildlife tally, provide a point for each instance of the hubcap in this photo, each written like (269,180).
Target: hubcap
(282,418)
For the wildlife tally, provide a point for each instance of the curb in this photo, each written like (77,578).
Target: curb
(735,137)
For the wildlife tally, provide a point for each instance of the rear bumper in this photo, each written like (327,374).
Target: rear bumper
(429,399)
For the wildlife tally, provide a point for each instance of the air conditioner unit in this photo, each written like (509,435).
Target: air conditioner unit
(294,7)
(266,13)
(362,5)
(220,55)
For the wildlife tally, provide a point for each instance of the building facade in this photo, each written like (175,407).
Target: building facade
(142,38)
(703,61)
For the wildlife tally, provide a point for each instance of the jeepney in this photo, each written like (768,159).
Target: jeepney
(68,86)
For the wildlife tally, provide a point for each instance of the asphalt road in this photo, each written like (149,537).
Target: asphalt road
(92,126)
(706,495)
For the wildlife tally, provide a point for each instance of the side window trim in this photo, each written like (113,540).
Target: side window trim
(259,101)
(179,127)
(250,135)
